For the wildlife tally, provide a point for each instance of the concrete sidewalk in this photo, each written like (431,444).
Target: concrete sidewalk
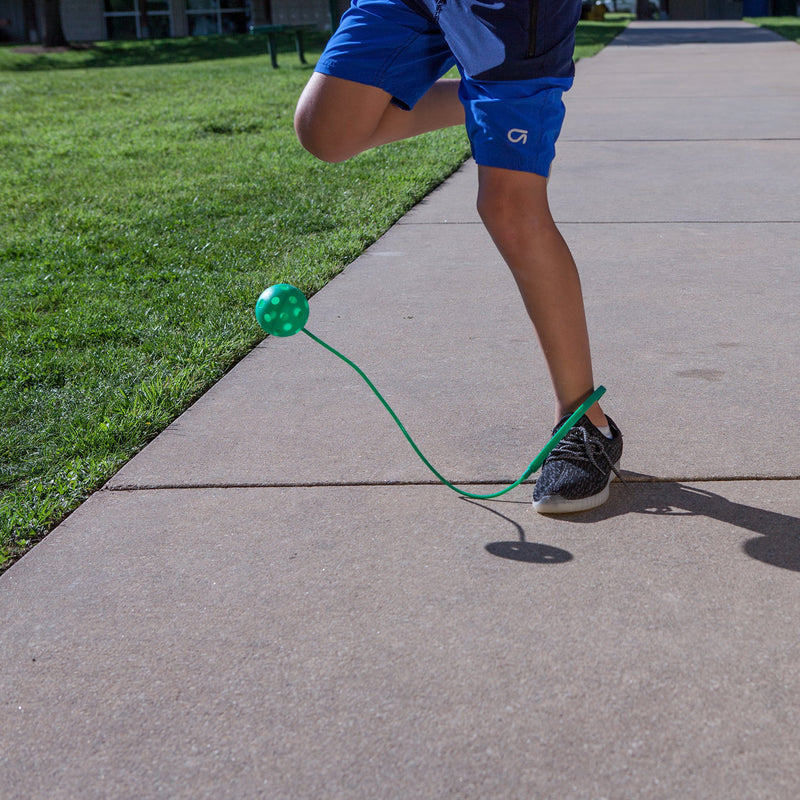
(277,600)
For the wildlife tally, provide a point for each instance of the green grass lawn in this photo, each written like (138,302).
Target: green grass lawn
(592,37)
(148,193)
(788,27)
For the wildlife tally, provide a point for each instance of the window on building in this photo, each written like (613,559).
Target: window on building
(132,19)
(216,16)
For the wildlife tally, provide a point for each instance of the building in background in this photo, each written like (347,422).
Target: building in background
(97,20)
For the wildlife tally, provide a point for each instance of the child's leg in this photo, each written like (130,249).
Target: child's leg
(378,81)
(338,118)
(513,206)
(388,54)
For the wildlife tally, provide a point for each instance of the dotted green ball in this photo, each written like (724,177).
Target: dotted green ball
(282,310)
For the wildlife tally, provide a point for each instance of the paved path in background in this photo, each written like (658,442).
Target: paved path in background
(275,599)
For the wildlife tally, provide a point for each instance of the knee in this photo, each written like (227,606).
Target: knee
(315,137)
(513,209)
(494,209)
(324,130)
(504,219)
(336,119)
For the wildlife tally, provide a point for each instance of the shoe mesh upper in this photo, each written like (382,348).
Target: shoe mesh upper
(580,465)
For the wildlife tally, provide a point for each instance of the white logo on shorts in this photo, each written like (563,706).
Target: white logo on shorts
(517,135)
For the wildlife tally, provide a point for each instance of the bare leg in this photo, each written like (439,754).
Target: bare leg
(336,118)
(514,208)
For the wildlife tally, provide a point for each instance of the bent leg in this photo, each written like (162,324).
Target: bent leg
(514,208)
(338,118)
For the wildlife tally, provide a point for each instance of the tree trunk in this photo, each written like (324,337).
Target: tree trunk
(53,29)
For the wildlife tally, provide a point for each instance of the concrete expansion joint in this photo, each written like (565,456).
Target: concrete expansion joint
(428,222)
(630,478)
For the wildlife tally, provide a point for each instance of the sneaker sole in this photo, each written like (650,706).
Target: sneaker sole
(556,504)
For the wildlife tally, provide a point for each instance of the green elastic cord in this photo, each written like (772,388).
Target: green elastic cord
(532,467)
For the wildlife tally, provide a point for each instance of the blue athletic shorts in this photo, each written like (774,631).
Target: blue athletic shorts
(514,58)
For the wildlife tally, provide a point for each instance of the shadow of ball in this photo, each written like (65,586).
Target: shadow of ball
(531,552)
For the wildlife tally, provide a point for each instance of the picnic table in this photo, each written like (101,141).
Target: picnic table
(273,30)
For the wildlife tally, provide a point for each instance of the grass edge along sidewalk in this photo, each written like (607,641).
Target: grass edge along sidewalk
(141,219)
(788,27)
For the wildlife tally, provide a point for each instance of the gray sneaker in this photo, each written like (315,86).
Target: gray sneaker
(577,473)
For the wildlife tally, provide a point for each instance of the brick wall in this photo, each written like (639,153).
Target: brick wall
(317,12)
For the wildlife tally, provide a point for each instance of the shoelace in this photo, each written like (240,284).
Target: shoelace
(577,446)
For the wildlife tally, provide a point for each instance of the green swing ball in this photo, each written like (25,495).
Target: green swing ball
(282,310)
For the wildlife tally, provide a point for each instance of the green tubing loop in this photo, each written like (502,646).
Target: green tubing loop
(531,468)
(282,310)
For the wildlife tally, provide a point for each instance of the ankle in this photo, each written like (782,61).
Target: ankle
(595,415)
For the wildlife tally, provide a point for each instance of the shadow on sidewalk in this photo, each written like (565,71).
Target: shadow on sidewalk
(523,550)
(777,543)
